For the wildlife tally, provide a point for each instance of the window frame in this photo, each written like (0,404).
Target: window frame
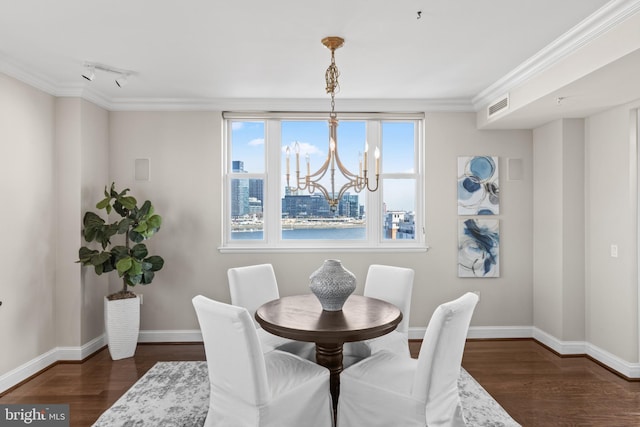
(273,174)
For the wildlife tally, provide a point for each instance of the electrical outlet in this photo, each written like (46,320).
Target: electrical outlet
(614,251)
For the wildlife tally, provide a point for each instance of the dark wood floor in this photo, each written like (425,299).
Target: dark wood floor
(539,388)
(535,386)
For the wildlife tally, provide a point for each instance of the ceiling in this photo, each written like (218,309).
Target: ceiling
(440,51)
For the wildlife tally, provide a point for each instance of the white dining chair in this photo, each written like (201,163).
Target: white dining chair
(250,287)
(249,388)
(388,388)
(391,284)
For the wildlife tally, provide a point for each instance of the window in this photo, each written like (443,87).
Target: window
(262,210)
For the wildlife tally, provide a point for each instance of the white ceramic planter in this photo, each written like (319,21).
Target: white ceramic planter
(122,325)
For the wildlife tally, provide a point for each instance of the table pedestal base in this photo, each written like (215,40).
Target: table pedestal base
(301,318)
(330,356)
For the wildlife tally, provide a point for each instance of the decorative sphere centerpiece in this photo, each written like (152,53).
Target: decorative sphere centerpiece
(332,284)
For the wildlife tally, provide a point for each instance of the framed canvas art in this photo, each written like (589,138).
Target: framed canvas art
(478,248)
(478,185)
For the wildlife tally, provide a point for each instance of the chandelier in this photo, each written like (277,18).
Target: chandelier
(311,181)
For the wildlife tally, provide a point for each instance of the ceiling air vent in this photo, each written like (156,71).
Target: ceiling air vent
(498,106)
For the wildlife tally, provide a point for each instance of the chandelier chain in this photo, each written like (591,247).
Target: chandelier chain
(331,78)
(311,181)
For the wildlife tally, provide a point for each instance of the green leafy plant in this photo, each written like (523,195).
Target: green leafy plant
(132,263)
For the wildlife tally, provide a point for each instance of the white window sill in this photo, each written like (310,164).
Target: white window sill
(319,249)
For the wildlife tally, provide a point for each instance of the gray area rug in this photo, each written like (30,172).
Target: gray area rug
(176,394)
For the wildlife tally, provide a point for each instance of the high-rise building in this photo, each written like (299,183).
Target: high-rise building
(316,206)
(349,206)
(239,192)
(256,189)
(399,225)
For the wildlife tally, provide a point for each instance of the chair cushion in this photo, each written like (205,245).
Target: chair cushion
(376,392)
(385,369)
(286,372)
(395,342)
(269,341)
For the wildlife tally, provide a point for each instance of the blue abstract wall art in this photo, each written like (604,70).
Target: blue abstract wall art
(478,248)
(478,185)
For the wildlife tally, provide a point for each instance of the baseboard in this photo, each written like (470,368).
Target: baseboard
(564,348)
(28,369)
(484,332)
(625,369)
(628,370)
(34,366)
(498,332)
(80,353)
(193,335)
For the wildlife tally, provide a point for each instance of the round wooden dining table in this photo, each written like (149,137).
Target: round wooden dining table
(301,318)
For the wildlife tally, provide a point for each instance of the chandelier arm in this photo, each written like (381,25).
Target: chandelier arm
(343,190)
(323,190)
(305,182)
(376,187)
(317,175)
(345,172)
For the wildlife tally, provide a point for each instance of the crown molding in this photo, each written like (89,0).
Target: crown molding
(81,90)
(97,98)
(248,104)
(604,19)
(19,72)
(593,26)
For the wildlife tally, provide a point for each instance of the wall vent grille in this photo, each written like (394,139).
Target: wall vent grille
(498,106)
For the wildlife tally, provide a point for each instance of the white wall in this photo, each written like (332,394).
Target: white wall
(547,226)
(558,229)
(67,155)
(504,301)
(82,161)
(94,167)
(185,187)
(28,218)
(52,150)
(611,208)
(185,155)
(573,235)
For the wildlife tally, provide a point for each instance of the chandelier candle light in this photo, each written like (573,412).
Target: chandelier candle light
(311,181)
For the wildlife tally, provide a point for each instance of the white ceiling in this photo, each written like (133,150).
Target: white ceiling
(202,50)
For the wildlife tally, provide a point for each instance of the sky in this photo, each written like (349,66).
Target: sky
(397,152)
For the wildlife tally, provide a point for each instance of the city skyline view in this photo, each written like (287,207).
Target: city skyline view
(248,146)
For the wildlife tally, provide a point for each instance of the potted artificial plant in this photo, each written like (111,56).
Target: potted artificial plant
(131,261)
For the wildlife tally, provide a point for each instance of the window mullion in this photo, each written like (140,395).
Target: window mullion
(420,204)
(374,199)
(226,193)
(273,215)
